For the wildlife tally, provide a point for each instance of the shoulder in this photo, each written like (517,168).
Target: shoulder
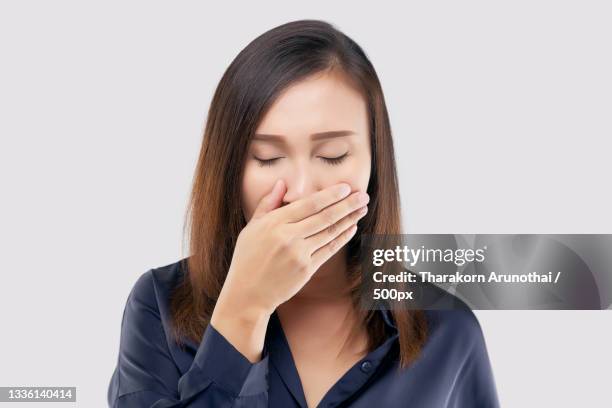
(453,322)
(156,284)
(150,295)
(455,334)
(458,344)
(447,314)
(147,360)
(456,321)
(147,311)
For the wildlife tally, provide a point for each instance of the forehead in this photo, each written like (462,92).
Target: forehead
(322,102)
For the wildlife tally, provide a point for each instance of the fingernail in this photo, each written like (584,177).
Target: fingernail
(345,189)
(364,197)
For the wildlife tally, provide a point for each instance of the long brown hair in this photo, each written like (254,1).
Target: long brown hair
(214,218)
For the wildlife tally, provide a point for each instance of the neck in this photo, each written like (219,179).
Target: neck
(329,284)
(323,308)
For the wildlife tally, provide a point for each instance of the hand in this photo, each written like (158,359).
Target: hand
(280,249)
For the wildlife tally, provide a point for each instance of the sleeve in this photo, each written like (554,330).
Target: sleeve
(475,383)
(147,376)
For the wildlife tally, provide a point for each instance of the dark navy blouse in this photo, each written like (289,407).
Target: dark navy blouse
(152,371)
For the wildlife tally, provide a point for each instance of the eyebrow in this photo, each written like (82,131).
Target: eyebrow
(315,136)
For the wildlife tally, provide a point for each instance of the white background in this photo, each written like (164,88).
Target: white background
(501,113)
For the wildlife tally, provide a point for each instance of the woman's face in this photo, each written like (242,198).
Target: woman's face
(315,135)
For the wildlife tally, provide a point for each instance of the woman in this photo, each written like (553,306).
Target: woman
(297,163)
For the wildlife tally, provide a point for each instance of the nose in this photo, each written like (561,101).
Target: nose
(299,182)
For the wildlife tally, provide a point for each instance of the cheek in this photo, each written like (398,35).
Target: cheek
(255,185)
(356,172)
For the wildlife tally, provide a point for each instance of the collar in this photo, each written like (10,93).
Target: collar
(387,317)
(277,347)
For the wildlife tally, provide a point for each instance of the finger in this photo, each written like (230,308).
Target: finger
(270,201)
(322,254)
(330,215)
(325,236)
(305,207)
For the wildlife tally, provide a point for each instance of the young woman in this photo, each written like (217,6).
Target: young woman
(296,163)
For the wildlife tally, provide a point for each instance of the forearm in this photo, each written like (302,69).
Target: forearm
(243,326)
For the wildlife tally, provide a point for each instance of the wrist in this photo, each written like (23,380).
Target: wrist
(245,328)
(250,315)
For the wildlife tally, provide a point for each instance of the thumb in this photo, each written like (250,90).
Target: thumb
(271,200)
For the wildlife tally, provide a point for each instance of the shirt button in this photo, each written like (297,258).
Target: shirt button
(366,366)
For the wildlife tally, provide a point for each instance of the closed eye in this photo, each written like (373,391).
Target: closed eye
(266,162)
(334,161)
